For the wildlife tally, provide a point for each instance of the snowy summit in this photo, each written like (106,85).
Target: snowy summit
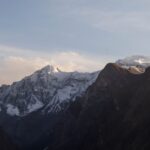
(48,88)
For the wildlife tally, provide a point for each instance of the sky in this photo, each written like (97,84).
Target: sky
(80,35)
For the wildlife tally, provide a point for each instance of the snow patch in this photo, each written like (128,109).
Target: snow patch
(12,110)
(34,106)
(64,94)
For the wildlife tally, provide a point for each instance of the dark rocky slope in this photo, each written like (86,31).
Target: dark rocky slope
(113,114)
(5,142)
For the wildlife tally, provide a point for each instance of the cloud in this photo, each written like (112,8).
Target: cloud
(72,61)
(15,51)
(15,67)
(115,19)
(9,49)
(125,21)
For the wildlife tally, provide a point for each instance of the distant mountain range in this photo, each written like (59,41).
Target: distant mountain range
(56,110)
(48,88)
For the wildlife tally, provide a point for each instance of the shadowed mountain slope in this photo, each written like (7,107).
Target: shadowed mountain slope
(113,114)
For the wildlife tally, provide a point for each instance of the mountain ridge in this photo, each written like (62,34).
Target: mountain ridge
(110,113)
(46,85)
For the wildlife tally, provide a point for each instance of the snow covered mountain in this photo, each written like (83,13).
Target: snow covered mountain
(48,88)
(135,64)
(135,60)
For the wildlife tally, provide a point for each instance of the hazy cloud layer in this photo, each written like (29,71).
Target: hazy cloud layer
(15,67)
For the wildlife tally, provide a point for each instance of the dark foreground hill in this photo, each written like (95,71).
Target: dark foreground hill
(5,142)
(114,114)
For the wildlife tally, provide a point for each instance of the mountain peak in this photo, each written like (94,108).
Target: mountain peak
(49,69)
(111,73)
(44,73)
(113,68)
(112,65)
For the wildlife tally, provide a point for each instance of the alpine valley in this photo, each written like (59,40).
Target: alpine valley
(56,110)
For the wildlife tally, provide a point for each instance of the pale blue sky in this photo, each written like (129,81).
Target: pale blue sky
(95,29)
(123,27)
